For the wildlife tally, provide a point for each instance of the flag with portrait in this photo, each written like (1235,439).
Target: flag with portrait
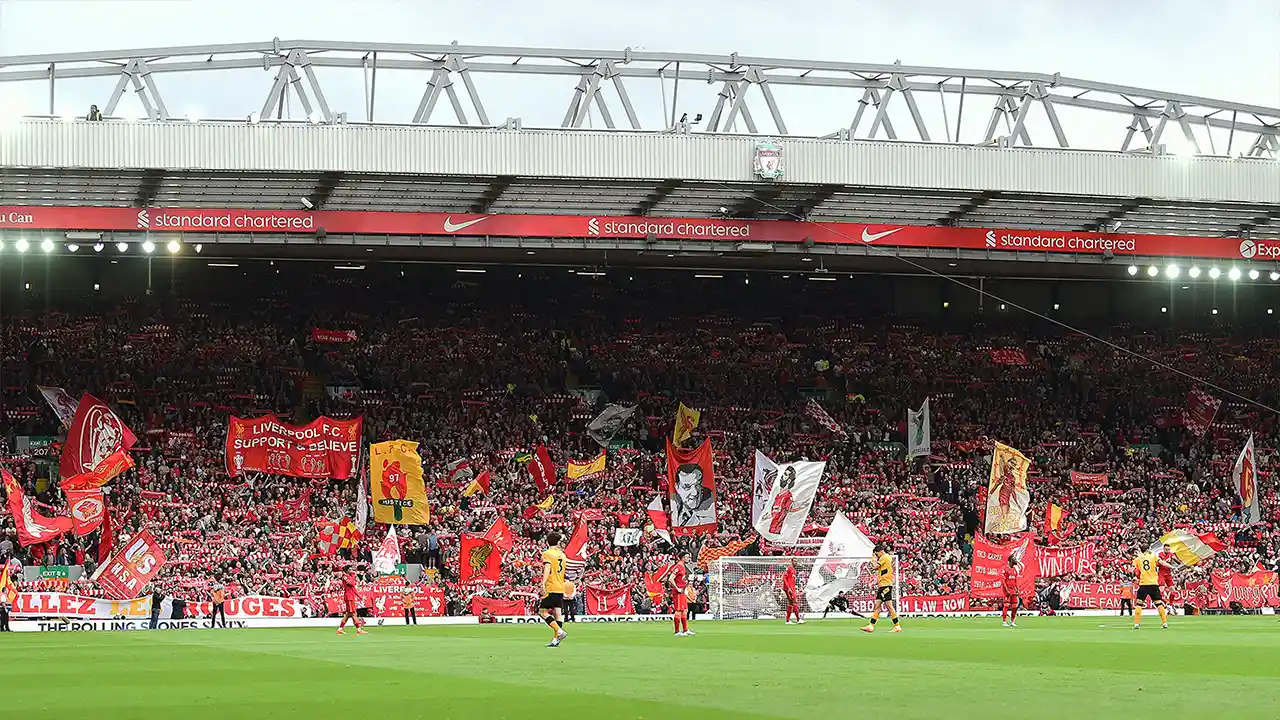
(1007,494)
(691,487)
(792,488)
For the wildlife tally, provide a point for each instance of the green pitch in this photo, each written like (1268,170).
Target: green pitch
(824,670)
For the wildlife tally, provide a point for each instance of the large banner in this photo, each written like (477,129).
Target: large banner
(33,528)
(323,448)
(609,601)
(919,437)
(321,335)
(88,507)
(792,487)
(1244,477)
(97,446)
(63,405)
(1007,494)
(1251,590)
(914,604)
(53,604)
(1091,596)
(479,560)
(395,482)
(990,560)
(841,561)
(480,603)
(691,485)
(127,573)
(1066,560)
(251,607)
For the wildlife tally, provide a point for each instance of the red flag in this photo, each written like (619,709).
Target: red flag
(500,535)
(33,528)
(691,485)
(543,472)
(1201,409)
(575,551)
(479,604)
(106,537)
(990,560)
(97,444)
(127,573)
(609,601)
(87,510)
(655,583)
(658,517)
(299,510)
(479,559)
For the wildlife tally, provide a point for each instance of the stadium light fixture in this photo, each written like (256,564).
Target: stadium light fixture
(1253,274)
(1269,311)
(470,270)
(122,246)
(1001,306)
(72,247)
(1056,306)
(97,247)
(97,286)
(148,247)
(1215,311)
(26,286)
(174,246)
(1153,271)
(945,304)
(1214,273)
(22,245)
(46,245)
(1172,271)
(1274,276)
(1164,309)
(1194,272)
(198,248)
(1234,274)
(1133,269)
(708,277)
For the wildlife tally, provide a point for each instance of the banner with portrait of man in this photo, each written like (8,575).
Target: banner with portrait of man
(691,486)
(1007,493)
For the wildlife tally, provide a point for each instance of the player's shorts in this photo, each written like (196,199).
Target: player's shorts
(791,597)
(1010,599)
(679,602)
(553,601)
(1151,592)
(350,607)
(884,593)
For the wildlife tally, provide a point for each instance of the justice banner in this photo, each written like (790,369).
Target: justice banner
(323,448)
(609,600)
(127,572)
(1251,590)
(1066,560)
(54,604)
(396,485)
(990,560)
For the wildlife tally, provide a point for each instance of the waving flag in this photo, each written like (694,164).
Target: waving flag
(459,471)
(1190,548)
(686,422)
(8,590)
(395,482)
(609,424)
(594,466)
(97,446)
(87,510)
(1055,523)
(1245,478)
(541,469)
(575,550)
(708,554)
(480,561)
(1201,409)
(63,405)
(838,567)
(659,519)
(792,489)
(478,486)
(815,411)
(387,556)
(919,438)
(33,528)
(609,601)
(655,583)
(761,485)
(1007,493)
(499,533)
(691,485)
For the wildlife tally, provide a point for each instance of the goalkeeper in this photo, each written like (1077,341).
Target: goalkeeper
(840,603)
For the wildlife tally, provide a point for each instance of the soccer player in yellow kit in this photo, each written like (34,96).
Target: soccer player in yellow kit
(553,561)
(1148,566)
(884,591)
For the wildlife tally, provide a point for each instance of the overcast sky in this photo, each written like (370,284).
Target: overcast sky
(1229,49)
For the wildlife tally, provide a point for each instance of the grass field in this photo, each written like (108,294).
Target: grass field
(1210,667)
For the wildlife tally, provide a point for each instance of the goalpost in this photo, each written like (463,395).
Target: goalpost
(750,587)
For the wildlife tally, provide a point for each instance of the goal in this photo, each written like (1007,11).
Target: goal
(750,587)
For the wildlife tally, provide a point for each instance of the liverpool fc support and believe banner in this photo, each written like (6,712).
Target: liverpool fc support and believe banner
(323,448)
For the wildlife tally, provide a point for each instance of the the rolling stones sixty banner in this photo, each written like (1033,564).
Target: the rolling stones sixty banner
(323,448)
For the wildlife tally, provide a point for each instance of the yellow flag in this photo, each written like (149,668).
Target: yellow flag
(1007,492)
(395,484)
(686,423)
(546,504)
(577,470)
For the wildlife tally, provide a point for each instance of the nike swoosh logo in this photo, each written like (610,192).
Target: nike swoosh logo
(449,226)
(869,237)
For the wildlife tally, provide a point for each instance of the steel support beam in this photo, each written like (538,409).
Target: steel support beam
(442,79)
(297,65)
(588,92)
(137,73)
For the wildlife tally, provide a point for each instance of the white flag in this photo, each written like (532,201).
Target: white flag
(362,499)
(919,441)
(659,519)
(1244,476)
(387,557)
(761,485)
(627,537)
(64,406)
(792,487)
(833,570)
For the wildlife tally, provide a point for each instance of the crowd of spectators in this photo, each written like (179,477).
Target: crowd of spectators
(483,373)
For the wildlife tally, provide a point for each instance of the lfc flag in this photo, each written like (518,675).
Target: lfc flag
(387,556)
(686,422)
(691,485)
(97,446)
(480,561)
(499,533)
(792,487)
(609,601)
(395,481)
(575,550)
(480,485)
(63,405)
(33,528)
(839,566)
(919,439)
(127,573)
(543,472)
(655,583)
(1245,478)
(87,510)
(579,470)
(1007,493)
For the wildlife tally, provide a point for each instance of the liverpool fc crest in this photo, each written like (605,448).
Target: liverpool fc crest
(768,160)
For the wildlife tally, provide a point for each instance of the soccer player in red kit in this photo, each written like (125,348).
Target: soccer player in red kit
(679,579)
(789,589)
(349,604)
(1009,581)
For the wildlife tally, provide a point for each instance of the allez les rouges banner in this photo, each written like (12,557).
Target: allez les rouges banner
(323,448)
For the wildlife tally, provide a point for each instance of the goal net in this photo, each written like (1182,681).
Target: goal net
(745,587)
